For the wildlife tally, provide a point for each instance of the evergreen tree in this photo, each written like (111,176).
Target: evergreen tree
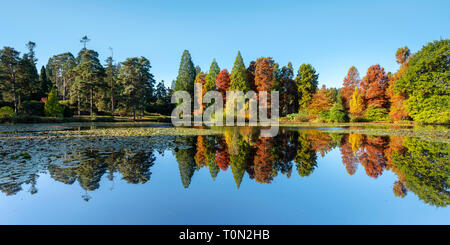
(186,74)
(239,79)
(45,85)
(211,77)
(89,75)
(9,61)
(307,81)
(112,72)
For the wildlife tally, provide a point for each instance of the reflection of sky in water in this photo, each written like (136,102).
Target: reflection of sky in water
(329,195)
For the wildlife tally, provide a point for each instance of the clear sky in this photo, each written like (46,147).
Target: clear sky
(330,35)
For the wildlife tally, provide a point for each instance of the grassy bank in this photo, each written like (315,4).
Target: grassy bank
(38,119)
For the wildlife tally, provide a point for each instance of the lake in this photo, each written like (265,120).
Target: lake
(54,174)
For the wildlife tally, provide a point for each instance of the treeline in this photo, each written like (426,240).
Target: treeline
(78,85)
(418,91)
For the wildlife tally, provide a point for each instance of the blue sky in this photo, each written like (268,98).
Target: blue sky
(330,35)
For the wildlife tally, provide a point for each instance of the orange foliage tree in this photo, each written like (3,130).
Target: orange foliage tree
(223,82)
(374,86)
(321,101)
(351,81)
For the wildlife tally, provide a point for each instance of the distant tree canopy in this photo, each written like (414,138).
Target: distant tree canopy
(418,91)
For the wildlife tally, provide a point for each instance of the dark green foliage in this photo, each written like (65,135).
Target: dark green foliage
(427,82)
(376,114)
(186,162)
(211,76)
(239,78)
(426,170)
(186,74)
(32,107)
(307,81)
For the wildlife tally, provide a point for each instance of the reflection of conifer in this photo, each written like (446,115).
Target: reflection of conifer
(186,162)
(135,168)
(306,159)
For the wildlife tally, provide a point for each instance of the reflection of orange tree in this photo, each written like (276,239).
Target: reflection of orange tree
(348,154)
(206,155)
(264,160)
(372,157)
(396,145)
(222,155)
(321,142)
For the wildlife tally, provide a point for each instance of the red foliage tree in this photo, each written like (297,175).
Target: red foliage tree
(351,81)
(200,154)
(374,87)
(264,77)
(223,82)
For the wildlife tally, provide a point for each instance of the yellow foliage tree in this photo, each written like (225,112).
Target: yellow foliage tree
(356,103)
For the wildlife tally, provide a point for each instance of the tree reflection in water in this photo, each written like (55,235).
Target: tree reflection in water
(421,167)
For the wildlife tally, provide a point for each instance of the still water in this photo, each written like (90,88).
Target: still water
(235,177)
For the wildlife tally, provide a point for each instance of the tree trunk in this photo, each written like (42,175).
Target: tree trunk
(14,89)
(78,98)
(92,99)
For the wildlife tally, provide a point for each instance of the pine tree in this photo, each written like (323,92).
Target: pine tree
(9,61)
(239,79)
(45,85)
(211,77)
(307,81)
(186,74)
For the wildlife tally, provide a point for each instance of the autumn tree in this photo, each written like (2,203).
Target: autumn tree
(321,101)
(373,87)
(397,100)
(223,82)
(264,76)
(351,81)
(307,81)
(356,103)
(402,55)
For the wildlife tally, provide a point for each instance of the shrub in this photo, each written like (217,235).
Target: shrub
(338,113)
(52,106)
(301,116)
(6,111)
(377,114)
(32,108)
